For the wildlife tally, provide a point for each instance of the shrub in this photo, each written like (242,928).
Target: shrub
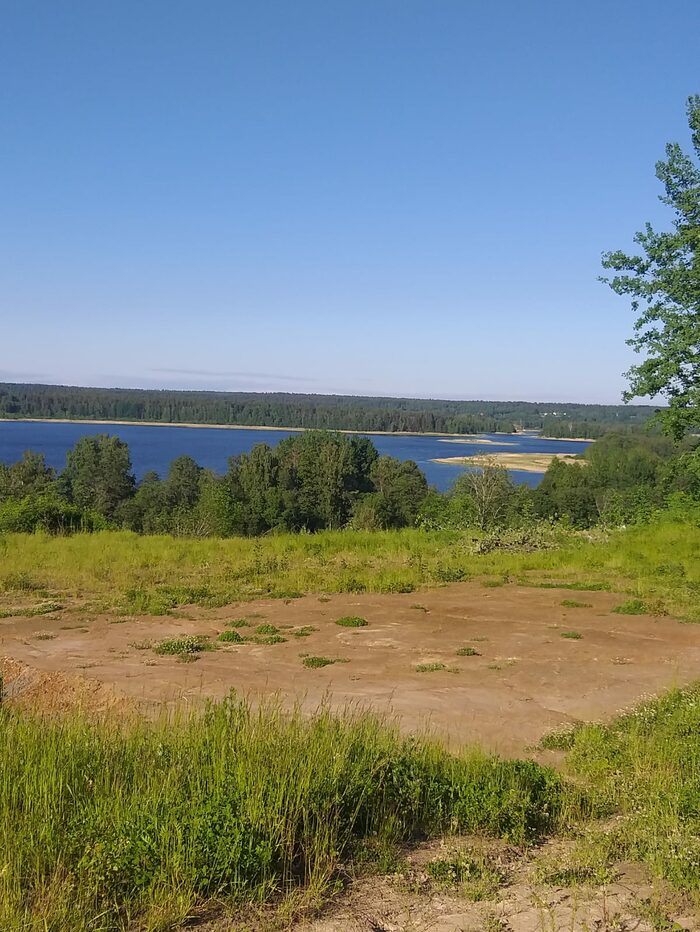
(351,621)
(315,662)
(632,607)
(467,652)
(189,644)
(231,637)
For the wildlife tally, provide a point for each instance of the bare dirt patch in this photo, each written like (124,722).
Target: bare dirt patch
(523,680)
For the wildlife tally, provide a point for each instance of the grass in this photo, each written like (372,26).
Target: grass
(435,667)
(315,663)
(135,574)
(477,875)
(468,652)
(230,636)
(573,603)
(643,771)
(632,607)
(189,644)
(571,635)
(104,826)
(351,621)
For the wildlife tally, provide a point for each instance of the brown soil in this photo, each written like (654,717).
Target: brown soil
(527,679)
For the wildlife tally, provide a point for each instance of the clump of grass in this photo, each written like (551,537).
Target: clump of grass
(141,645)
(642,768)
(265,639)
(573,603)
(21,582)
(352,621)
(118,805)
(561,739)
(435,668)
(314,663)
(267,629)
(189,644)
(44,636)
(304,632)
(230,636)
(468,652)
(571,635)
(34,611)
(632,607)
(478,876)
(237,623)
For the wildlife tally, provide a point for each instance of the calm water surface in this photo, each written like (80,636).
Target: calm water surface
(153,448)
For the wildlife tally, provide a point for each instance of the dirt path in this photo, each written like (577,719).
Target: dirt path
(526,679)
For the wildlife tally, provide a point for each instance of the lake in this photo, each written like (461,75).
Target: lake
(153,447)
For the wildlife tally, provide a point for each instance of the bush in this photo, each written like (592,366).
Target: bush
(47,513)
(351,621)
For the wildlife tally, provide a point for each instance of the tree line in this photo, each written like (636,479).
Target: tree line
(326,480)
(317,480)
(323,412)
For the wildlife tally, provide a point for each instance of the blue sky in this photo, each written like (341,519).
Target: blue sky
(355,196)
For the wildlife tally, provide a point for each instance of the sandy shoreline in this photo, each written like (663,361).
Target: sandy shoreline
(525,462)
(378,433)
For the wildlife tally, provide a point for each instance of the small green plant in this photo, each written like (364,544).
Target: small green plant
(351,621)
(46,608)
(141,645)
(21,582)
(314,663)
(304,632)
(573,603)
(267,629)
(478,876)
(231,636)
(468,652)
(435,668)
(265,639)
(189,644)
(44,636)
(571,635)
(632,607)
(237,623)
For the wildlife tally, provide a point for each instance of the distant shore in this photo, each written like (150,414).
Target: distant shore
(524,462)
(378,433)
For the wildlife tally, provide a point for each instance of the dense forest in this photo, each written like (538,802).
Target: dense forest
(324,412)
(323,479)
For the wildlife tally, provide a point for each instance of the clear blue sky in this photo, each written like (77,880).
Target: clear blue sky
(404,197)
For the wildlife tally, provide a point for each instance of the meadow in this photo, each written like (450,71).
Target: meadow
(109,823)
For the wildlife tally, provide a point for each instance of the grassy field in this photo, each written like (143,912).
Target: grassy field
(114,825)
(109,827)
(656,564)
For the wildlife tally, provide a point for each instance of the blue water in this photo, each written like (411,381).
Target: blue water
(153,448)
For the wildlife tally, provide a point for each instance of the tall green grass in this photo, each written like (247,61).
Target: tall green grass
(103,825)
(644,770)
(656,563)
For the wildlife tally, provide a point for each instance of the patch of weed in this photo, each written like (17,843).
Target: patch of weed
(632,607)
(573,603)
(478,876)
(189,644)
(468,652)
(571,635)
(352,621)
(231,636)
(314,663)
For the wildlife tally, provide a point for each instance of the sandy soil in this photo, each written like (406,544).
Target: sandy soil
(526,680)
(525,462)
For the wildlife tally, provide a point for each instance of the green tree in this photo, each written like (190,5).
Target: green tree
(98,474)
(28,476)
(664,283)
(400,490)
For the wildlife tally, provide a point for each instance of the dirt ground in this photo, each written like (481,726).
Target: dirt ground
(525,680)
